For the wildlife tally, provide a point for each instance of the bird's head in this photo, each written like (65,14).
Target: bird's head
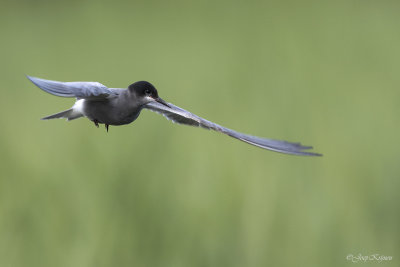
(145,92)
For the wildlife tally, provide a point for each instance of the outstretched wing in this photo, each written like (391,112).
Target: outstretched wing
(179,115)
(88,90)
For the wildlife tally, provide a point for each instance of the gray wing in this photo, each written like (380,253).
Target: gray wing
(87,90)
(179,115)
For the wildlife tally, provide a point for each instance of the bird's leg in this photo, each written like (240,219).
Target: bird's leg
(96,122)
(106,127)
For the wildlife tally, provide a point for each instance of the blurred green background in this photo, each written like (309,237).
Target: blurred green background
(153,193)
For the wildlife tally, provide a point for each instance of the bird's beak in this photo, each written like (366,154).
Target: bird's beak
(159,100)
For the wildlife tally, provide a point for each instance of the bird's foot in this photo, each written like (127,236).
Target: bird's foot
(106,127)
(96,122)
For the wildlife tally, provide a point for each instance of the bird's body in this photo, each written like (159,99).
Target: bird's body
(115,106)
(112,111)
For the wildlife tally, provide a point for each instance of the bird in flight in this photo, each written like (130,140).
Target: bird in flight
(117,106)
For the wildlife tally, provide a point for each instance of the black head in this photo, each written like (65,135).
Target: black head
(146,91)
(143,88)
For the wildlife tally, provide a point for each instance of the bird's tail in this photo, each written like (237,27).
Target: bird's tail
(69,114)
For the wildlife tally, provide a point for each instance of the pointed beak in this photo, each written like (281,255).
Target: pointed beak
(159,100)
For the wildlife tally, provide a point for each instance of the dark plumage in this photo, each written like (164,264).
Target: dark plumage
(143,88)
(115,106)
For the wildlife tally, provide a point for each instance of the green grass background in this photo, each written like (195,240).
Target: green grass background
(153,193)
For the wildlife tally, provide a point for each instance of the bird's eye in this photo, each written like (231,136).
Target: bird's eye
(147,92)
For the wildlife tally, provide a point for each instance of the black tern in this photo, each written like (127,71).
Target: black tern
(117,106)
